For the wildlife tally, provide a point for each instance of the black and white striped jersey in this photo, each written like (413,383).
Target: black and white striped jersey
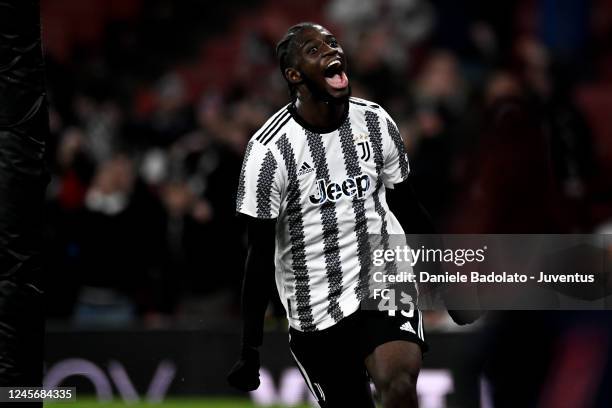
(326,188)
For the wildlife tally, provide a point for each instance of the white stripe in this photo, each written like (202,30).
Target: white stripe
(304,373)
(35,288)
(321,391)
(421,335)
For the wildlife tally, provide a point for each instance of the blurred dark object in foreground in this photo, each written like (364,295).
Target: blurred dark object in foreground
(23,178)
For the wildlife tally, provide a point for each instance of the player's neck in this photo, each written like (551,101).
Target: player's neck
(321,114)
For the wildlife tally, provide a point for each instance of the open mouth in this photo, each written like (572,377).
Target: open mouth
(335,75)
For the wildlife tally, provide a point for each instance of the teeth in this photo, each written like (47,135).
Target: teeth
(331,64)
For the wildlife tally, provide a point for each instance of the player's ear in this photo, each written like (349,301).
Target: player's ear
(293,76)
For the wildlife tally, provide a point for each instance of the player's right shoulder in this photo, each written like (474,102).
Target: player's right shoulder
(272,127)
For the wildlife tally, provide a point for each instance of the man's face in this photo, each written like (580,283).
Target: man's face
(321,63)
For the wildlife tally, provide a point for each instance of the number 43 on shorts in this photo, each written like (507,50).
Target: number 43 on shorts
(387,302)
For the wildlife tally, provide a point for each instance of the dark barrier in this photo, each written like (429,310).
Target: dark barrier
(151,365)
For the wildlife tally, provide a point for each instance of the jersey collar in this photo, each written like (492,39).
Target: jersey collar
(293,111)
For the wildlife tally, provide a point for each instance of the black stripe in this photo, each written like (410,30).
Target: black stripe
(278,118)
(296,235)
(373,125)
(371,120)
(241,181)
(264,185)
(357,103)
(329,220)
(351,163)
(399,145)
(267,139)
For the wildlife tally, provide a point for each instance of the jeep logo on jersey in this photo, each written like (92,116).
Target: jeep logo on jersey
(352,186)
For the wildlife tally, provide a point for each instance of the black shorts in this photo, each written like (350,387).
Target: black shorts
(332,361)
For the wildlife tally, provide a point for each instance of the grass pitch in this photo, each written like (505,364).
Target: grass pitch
(168,403)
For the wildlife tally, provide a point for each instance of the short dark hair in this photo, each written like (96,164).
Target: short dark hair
(286,48)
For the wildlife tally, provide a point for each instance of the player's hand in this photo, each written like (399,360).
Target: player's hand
(463,305)
(463,317)
(244,375)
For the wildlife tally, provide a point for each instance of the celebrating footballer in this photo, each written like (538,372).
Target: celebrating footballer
(317,178)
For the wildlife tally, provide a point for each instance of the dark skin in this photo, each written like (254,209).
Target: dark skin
(393,366)
(319,104)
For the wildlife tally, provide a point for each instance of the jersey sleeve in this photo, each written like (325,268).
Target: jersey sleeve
(396,166)
(259,186)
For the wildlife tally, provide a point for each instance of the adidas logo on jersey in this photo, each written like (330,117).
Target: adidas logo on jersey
(352,186)
(305,169)
(407,327)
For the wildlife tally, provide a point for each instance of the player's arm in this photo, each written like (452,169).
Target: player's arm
(256,291)
(413,218)
(408,210)
(258,278)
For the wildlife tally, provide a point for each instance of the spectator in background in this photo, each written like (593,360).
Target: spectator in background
(110,247)
(441,67)
(512,189)
(73,170)
(100,122)
(171,117)
(571,146)
(75,167)
(440,99)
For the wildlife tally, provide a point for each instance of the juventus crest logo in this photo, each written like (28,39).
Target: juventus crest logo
(365,150)
(363,141)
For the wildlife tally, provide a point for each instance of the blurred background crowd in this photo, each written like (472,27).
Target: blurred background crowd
(504,108)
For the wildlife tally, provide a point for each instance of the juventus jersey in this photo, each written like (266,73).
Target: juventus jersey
(326,189)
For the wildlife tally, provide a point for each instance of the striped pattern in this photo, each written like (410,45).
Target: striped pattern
(277,123)
(327,192)
(353,169)
(399,145)
(354,101)
(420,331)
(329,222)
(264,185)
(296,235)
(241,181)
(373,125)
